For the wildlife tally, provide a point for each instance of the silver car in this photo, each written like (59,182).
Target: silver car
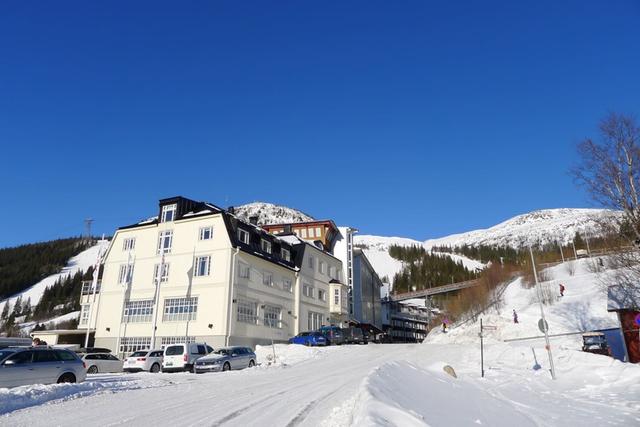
(37,365)
(225,359)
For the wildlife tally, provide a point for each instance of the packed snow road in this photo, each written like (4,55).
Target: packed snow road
(401,385)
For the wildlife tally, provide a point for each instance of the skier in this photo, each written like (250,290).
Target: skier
(444,328)
(515,316)
(561,290)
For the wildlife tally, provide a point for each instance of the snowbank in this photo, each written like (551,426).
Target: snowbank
(290,354)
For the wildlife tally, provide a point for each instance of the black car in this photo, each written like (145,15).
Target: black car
(354,335)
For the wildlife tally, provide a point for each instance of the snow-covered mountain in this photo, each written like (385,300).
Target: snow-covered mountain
(535,228)
(268,213)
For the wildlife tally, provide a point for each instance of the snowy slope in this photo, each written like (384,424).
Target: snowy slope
(80,262)
(534,228)
(269,213)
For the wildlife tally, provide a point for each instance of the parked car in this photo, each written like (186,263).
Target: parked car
(225,359)
(102,362)
(24,366)
(354,336)
(182,357)
(333,334)
(145,360)
(14,342)
(309,339)
(596,343)
(93,350)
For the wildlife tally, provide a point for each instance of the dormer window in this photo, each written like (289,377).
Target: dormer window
(243,236)
(285,254)
(266,246)
(169,213)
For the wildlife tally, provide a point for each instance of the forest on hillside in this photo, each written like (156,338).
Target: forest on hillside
(23,266)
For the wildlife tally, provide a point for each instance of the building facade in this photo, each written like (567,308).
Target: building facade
(198,273)
(366,291)
(405,322)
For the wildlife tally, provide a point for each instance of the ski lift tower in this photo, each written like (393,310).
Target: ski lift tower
(87,229)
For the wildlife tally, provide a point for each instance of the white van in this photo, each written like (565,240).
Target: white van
(182,357)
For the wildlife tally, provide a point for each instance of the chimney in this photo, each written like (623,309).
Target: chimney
(231,210)
(253,219)
(287,229)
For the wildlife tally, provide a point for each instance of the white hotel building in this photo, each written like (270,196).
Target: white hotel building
(199,273)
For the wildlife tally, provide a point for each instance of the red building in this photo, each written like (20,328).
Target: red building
(625,302)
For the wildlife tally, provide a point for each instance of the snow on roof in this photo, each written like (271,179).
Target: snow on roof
(204,211)
(291,239)
(622,297)
(148,220)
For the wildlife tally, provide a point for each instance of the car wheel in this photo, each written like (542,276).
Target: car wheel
(226,366)
(93,369)
(308,344)
(155,368)
(252,363)
(192,369)
(67,378)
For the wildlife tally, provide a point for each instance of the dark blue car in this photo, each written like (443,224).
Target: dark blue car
(309,339)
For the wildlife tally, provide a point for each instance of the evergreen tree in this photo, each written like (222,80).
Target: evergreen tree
(5,311)
(17,308)
(26,308)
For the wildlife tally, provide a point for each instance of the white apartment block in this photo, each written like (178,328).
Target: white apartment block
(198,273)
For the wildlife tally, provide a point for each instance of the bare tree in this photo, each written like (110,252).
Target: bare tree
(609,169)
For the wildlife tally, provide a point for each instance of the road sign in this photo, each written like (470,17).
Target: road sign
(543,325)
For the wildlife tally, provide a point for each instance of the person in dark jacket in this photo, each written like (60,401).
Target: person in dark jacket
(561,290)
(515,316)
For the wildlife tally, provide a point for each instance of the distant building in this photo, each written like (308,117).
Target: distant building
(624,302)
(405,321)
(366,287)
(199,273)
(322,233)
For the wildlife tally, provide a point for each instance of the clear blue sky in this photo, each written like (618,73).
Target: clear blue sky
(416,119)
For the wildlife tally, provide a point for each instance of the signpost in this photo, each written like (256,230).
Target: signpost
(482,329)
(543,326)
(543,323)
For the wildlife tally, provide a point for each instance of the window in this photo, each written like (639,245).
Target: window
(310,261)
(21,357)
(286,285)
(247,312)
(206,233)
(272,316)
(129,345)
(303,233)
(243,270)
(87,288)
(168,213)
(322,267)
(165,240)
(165,273)
(307,290)
(285,254)
(243,236)
(203,265)
(332,272)
(180,309)
(129,244)
(315,321)
(84,314)
(267,278)
(336,296)
(138,311)
(177,340)
(42,356)
(266,246)
(310,232)
(126,273)
(322,295)
(318,232)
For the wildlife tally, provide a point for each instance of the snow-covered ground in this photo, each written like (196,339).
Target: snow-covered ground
(80,262)
(386,385)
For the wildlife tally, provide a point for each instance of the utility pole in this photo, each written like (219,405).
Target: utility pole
(87,228)
(94,286)
(155,298)
(544,321)
(575,254)
(561,253)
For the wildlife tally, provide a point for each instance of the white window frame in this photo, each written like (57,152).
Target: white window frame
(318,232)
(125,275)
(165,273)
(202,266)
(169,209)
(267,278)
(285,254)
(243,236)
(129,244)
(163,237)
(247,311)
(84,314)
(138,311)
(322,267)
(180,309)
(322,295)
(244,270)
(165,341)
(303,233)
(287,285)
(204,231)
(265,245)
(310,262)
(307,290)
(272,316)
(310,233)
(336,296)
(129,345)
(314,320)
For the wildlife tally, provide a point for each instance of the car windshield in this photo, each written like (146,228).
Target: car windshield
(139,354)
(594,340)
(223,351)
(174,350)
(303,334)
